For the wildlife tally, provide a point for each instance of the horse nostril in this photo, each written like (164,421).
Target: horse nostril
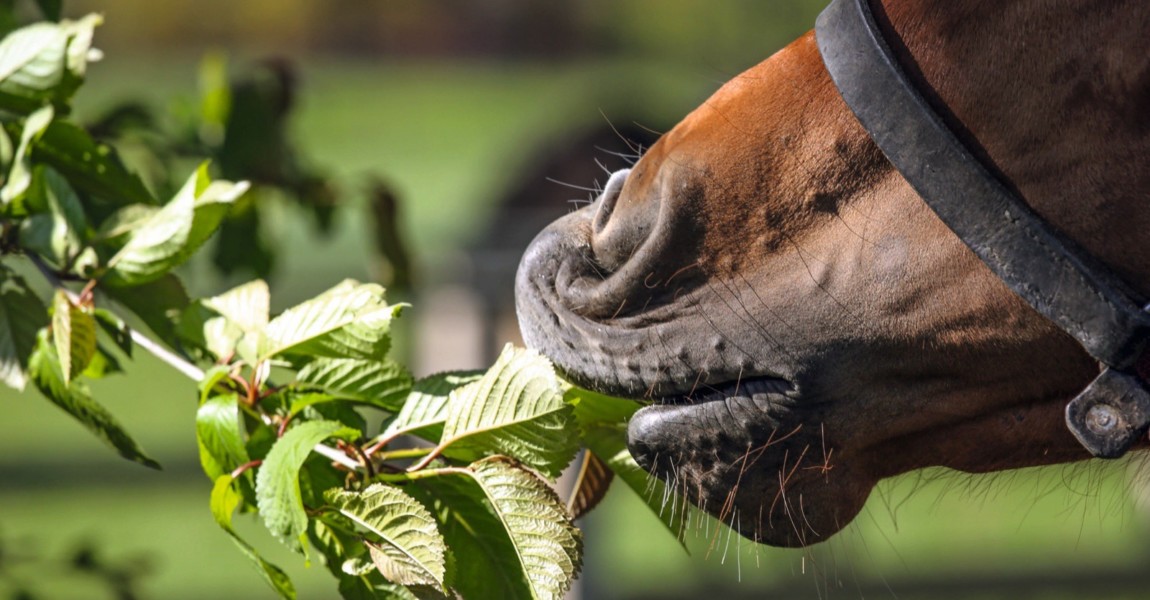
(608,199)
(622,222)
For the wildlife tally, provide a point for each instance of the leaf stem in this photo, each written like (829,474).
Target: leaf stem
(405,453)
(431,455)
(244,467)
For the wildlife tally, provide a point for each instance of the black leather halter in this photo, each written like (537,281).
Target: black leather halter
(1060,281)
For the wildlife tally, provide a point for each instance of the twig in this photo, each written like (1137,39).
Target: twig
(172,359)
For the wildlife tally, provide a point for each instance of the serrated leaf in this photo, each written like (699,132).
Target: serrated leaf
(590,486)
(603,427)
(74,334)
(21,316)
(351,320)
(510,534)
(277,484)
(75,399)
(425,409)
(219,435)
(224,501)
(20,175)
(381,384)
(408,548)
(515,409)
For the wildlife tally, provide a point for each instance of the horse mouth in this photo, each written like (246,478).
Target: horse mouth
(743,389)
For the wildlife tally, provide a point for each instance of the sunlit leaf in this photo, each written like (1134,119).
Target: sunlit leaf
(510,534)
(169,236)
(224,501)
(351,320)
(516,409)
(44,62)
(425,409)
(75,399)
(74,334)
(277,484)
(408,548)
(381,384)
(21,316)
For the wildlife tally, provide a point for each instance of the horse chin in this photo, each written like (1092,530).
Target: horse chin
(748,455)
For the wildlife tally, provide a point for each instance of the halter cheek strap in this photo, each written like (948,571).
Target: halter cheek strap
(1063,283)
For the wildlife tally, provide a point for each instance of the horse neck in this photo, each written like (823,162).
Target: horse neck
(1056,97)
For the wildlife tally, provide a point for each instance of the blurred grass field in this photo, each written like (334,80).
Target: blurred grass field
(450,138)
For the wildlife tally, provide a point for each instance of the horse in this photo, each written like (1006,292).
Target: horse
(803,320)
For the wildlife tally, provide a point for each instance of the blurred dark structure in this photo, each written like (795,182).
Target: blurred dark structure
(737,30)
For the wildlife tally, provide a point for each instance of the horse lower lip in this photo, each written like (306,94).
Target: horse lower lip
(743,388)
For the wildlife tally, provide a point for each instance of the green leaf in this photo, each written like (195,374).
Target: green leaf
(154,246)
(224,501)
(219,435)
(247,305)
(603,426)
(116,329)
(20,176)
(56,227)
(277,485)
(44,62)
(74,333)
(515,409)
(103,363)
(408,548)
(76,400)
(90,166)
(21,316)
(380,384)
(509,532)
(172,234)
(351,320)
(158,303)
(231,323)
(425,409)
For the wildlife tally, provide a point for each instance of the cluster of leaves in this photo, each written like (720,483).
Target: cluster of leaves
(438,487)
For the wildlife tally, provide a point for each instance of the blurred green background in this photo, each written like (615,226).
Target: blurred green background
(464,108)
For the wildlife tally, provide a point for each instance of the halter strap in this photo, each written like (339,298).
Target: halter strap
(1063,283)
